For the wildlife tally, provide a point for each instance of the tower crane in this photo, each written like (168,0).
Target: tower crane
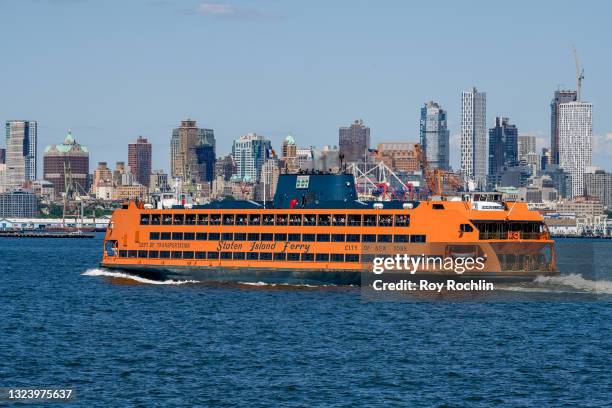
(579,74)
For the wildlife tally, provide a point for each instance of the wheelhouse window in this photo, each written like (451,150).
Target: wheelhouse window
(354,220)
(178,219)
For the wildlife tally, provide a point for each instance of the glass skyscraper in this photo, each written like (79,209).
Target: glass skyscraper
(435,135)
(474,137)
(21,144)
(503,147)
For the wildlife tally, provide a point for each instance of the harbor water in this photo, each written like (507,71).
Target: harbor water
(118,340)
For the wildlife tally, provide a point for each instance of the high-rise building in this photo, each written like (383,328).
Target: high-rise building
(526,145)
(70,158)
(102,175)
(205,159)
(2,156)
(435,135)
(139,160)
(575,129)
(503,146)
(250,153)
(545,158)
(270,172)
(21,145)
(598,184)
(354,141)
(398,156)
(225,167)
(558,98)
(304,157)
(289,162)
(159,181)
(474,137)
(18,204)
(183,155)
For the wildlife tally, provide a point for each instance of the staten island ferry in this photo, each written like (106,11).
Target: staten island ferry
(316,230)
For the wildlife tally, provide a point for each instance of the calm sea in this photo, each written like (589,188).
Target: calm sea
(119,341)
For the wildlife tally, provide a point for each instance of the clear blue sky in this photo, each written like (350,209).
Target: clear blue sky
(113,70)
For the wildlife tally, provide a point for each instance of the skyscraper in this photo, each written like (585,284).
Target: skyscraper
(354,141)
(139,160)
(2,156)
(474,137)
(288,160)
(183,155)
(526,145)
(68,156)
(205,158)
(250,153)
(598,183)
(558,98)
(575,129)
(21,144)
(503,146)
(435,135)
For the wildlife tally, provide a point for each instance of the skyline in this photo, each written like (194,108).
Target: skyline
(321,79)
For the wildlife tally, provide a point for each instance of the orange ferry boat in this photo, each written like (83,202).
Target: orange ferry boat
(316,230)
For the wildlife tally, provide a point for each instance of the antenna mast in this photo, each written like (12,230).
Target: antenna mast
(579,74)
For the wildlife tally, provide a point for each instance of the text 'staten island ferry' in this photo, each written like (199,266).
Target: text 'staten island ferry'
(317,231)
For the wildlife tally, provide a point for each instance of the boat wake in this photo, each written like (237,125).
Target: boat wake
(139,279)
(572,283)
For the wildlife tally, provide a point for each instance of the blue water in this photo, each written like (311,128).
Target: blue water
(121,342)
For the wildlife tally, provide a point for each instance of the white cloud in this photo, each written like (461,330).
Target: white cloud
(215,9)
(229,11)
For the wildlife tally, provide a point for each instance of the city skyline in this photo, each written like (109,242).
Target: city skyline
(308,92)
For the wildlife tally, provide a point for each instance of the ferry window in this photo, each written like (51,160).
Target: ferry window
(322,257)
(401,238)
(402,220)
(239,255)
(227,236)
(438,206)
(187,254)
(145,219)
(369,220)
(177,236)
(202,219)
(310,220)
(201,236)
(337,238)
(293,237)
(308,237)
(165,236)
(241,219)
(190,219)
(322,237)
(281,219)
(337,257)
(200,255)
(295,220)
(213,255)
(155,219)
(265,256)
(228,219)
(368,258)
(268,220)
(164,254)
(368,238)
(323,219)
(215,219)
(253,237)
(267,237)
(466,228)
(143,254)
(384,238)
(240,236)
(189,236)
(338,220)
(252,256)
(177,255)
(292,256)
(352,237)
(417,238)
(385,221)
(153,254)
(280,237)
(307,257)
(280,256)
(132,254)
(167,219)
(213,236)
(352,257)
(226,255)
(178,219)
(153,236)
(254,219)
(354,220)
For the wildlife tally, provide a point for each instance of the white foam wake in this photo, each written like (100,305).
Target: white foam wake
(304,285)
(114,274)
(572,283)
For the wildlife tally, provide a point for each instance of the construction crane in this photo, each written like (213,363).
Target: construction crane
(579,74)
(436,179)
